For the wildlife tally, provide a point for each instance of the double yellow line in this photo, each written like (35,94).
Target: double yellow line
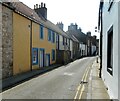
(81,86)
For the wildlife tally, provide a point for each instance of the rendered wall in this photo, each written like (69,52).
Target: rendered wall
(118,51)
(110,18)
(21,44)
(42,43)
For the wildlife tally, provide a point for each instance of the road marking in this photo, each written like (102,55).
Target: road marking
(78,88)
(87,74)
(84,78)
(77,91)
(81,92)
(67,73)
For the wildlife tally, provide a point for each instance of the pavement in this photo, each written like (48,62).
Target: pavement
(93,87)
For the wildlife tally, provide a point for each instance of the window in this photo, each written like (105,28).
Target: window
(69,42)
(41,32)
(66,41)
(35,56)
(110,51)
(57,41)
(53,36)
(49,35)
(53,55)
(57,37)
(63,40)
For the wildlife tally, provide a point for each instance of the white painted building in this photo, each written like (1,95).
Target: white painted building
(83,49)
(111,47)
(71,48)
(63,43)
(93,49)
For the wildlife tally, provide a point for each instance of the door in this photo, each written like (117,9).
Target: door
(47,59)
(41,60)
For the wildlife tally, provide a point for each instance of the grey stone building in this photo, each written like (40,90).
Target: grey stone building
(7,42)
(87,40)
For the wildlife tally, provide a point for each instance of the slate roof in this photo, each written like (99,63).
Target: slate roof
(80,36)
(72,37)
(24,10)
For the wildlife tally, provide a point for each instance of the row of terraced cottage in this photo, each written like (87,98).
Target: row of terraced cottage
(30,41)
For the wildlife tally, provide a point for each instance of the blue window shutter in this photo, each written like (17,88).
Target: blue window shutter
(53,55)
(53,36)
(41,32)
(49,35)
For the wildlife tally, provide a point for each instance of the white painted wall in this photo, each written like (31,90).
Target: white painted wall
(83,48)
(61,46)
(93,49)
(119,51)
(110,18)
(71,48)
(86,50)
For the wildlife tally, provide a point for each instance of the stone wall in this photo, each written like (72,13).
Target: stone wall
(7,43)
(0,42)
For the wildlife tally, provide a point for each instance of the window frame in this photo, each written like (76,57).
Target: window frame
(63,40)
(110,50)
(41,32)
(53,54)
(53,37)
(35,49)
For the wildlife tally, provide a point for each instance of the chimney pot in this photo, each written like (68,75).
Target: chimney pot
(41,4)
(36,5)
(44,5)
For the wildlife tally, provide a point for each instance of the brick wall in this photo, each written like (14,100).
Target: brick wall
(7,43)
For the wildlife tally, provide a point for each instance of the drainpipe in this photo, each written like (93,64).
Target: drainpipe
(101,5)
(31,45)
(101,48)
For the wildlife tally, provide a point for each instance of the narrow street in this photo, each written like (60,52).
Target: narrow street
(60,83)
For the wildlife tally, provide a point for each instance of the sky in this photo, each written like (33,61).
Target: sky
(82,12)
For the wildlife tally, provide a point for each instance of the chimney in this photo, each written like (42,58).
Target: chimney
(36,6)
(60,25)
(44,5)
(88,33)
(73,26)
(41,4)
(94,36)
(41,10)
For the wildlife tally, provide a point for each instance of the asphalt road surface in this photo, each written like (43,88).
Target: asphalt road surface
(60,83)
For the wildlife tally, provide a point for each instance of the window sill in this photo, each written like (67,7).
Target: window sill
(110,71)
